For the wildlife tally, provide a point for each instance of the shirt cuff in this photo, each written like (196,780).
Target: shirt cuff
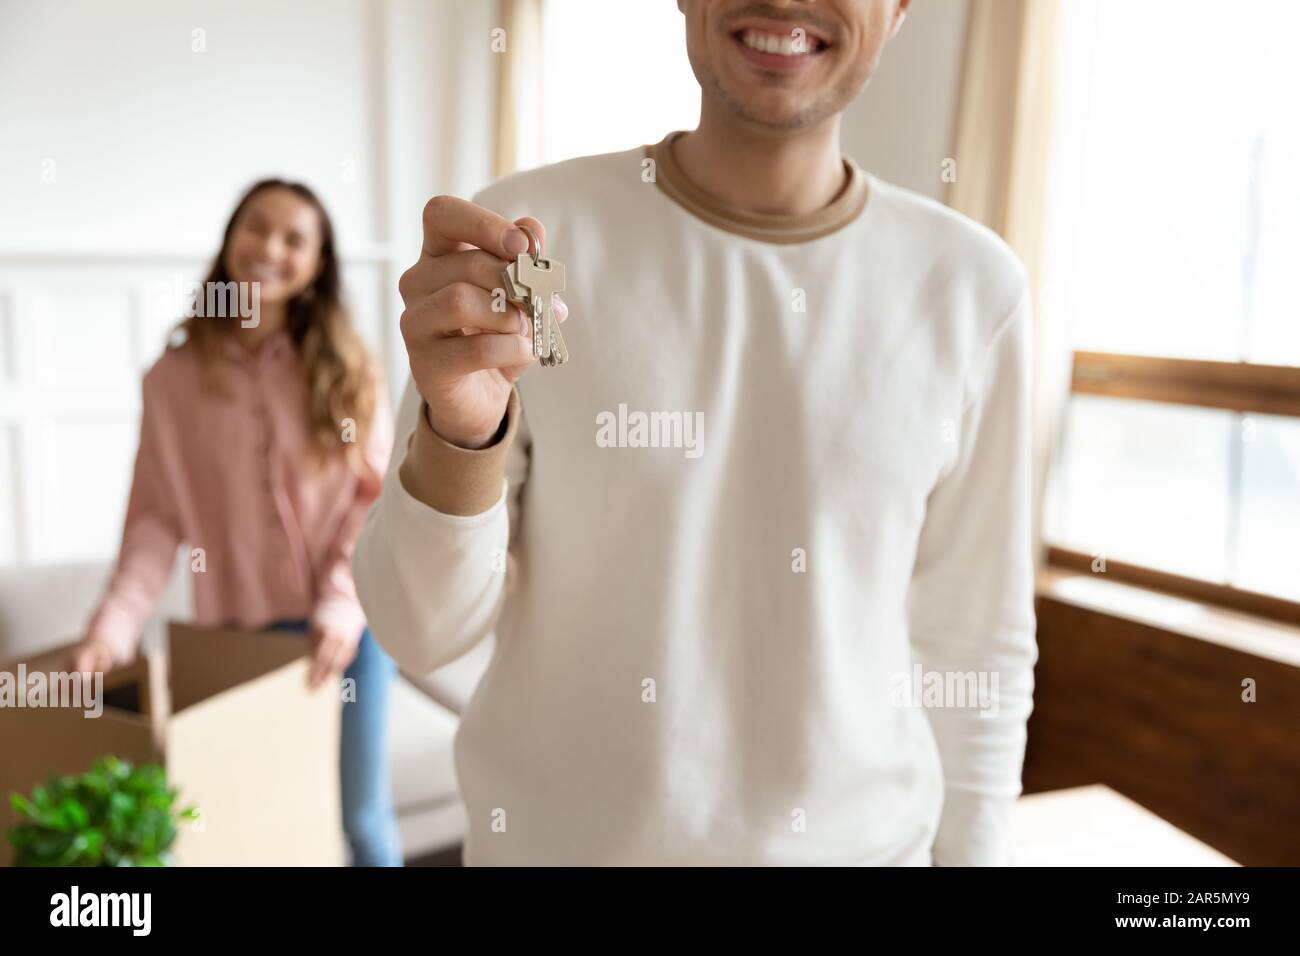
(454,480)
(974,830)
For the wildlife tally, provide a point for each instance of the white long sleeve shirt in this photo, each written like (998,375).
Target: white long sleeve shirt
(736,549)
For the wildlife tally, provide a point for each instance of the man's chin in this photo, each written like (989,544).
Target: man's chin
(767,109)
(786,116)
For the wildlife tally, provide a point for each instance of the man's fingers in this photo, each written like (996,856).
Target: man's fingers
(454,286)
(450,222)
(469,265)
(460,306)
(458,356)
(536,226)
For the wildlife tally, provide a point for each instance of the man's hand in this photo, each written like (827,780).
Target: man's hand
(465,357)
(332,651)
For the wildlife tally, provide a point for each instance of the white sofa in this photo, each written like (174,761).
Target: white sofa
(425,711)
(45,606)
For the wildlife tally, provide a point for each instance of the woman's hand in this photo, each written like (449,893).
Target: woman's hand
(90,656)
(332,650)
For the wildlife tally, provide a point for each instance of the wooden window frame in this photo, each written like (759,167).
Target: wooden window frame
(1243,387)
(1236,386)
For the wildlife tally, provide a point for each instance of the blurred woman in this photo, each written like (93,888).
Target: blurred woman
(263,441)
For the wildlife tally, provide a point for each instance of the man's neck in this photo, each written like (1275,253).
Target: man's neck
(762,170)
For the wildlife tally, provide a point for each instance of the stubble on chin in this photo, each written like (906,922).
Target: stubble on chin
(827,104)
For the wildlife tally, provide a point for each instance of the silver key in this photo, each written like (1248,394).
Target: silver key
(543,278)
(520,295)
(532,307)
(559,352)
(530,281)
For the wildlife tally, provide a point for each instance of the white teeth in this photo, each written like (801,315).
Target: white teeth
(773,43)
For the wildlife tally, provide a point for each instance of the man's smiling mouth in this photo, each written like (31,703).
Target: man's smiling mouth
(796,42)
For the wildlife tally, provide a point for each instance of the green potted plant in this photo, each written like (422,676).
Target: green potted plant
(116,814)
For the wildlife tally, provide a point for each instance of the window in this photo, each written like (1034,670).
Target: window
(1180,251)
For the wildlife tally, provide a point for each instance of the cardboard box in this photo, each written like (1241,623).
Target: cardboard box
(229,715)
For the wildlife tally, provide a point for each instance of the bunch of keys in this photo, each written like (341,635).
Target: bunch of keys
(530,281)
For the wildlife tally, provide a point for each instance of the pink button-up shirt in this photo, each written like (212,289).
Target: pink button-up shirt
(230,475)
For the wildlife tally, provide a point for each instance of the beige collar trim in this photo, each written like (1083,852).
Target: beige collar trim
(765,227)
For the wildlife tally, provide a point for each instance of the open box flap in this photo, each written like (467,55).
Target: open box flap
(206,661)
(138,682)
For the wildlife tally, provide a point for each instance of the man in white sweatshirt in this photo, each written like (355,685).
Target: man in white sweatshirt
(758,557)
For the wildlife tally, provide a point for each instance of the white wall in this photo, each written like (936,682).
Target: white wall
(901,127)
(123,151)
(152,141)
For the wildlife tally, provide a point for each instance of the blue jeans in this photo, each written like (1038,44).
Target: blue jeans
(369,820)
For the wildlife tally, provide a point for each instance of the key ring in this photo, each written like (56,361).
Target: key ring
(533,243)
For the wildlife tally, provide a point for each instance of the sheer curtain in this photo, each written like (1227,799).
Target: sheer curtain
(1005,142)
(518,49)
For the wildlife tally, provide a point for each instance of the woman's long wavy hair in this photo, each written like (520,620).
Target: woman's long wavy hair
(339,371)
